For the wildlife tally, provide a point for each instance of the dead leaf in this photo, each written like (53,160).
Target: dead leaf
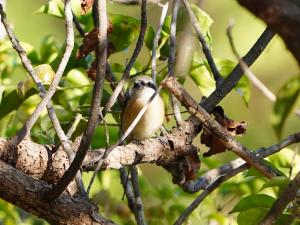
(86,5)
(233,127)
(90,41)
(191,166)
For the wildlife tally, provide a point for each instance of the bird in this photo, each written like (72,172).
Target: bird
(142,89)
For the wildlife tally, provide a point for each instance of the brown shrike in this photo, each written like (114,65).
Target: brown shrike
(142,90)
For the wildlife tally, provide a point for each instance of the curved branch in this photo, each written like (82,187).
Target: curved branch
(93,118)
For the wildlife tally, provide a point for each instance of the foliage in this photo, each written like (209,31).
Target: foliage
(251,196)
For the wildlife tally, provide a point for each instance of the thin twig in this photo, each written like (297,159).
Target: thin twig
(140,217)
(224,136)
(156,39)
(123,137)
(257,83)
(236,74)
(28,66)
(205,47)
(252,77)
(74,125)
(77,25)
(172,57)
(236,166)
(199,199)
(96,102)
(113,98)
(286,197)
(128,190)
(25,131)
(214,178)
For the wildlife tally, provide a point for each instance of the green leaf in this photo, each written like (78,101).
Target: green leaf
(11,100)
(252,216)
(204,21)
(255,215)
(254,201)
(149,37)
(117,68)
(225,67)
(76,77)
(48,50)
(201,74)
(53,8)
(286,99)
(125,31)
(279,181)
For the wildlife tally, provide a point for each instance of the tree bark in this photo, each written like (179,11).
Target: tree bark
(24,191)
(283,16)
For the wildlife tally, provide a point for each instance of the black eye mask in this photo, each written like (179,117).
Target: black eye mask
(151,85)
(140,84)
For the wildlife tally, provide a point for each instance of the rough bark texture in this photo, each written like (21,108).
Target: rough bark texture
(283,16)
(24,191)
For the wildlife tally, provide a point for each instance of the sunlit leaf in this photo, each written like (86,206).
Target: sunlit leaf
(204,21)
(53,7)
(255,215)
(225,67)
(201,74)
(286,99)
(14,99)
(149,37)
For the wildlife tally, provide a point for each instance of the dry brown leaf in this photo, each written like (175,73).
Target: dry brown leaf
(89,43)
(191,166)
(86,5)
(233,127)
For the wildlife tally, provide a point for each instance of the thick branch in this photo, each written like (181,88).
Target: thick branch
(23,191)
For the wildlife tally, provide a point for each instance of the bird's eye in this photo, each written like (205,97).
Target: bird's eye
(151,85)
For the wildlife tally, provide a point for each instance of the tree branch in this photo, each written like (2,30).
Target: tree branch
(236,166)
(23,191)
(94,113)
(227,140)
(286,197)
(282,16)
(140,217)
(113,98)
(205,47)
(156,39)
(172,59)
(236,74)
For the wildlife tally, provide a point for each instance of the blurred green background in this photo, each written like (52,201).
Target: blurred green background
(163,199)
